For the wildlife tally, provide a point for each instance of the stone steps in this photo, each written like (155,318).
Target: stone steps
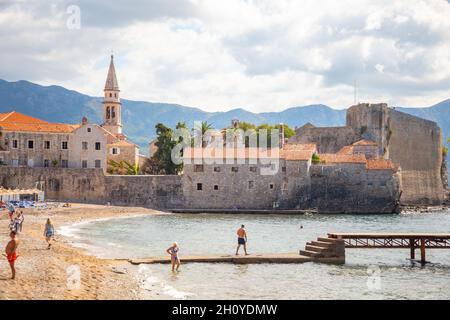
(325,248)
(312,254)
(320,244)
(310,247)
(328,240)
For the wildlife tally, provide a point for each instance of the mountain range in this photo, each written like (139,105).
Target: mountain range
(58,104)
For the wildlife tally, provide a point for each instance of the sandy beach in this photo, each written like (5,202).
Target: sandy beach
(43,274)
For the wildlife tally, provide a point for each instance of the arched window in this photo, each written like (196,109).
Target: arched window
(113,112)
(108,113)
(110,95)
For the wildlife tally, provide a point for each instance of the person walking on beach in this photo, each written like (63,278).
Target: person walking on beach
(17,223)
(11,253)
(173,251)
(49,232)
(11,211)
(242,240)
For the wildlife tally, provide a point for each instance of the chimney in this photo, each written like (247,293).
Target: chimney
(84,121)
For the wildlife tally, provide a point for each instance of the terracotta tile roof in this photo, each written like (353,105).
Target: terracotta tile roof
(380,164)
(346,150)
(248,153)
(123,143)
(16,121)
(15,116)
(329,158)
(365,142)
(300,146)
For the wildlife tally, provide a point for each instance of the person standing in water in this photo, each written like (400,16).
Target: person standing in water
(49,232)
(242,240)
(11,253)
(173,251)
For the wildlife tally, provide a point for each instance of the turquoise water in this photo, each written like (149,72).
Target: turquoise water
(367,274)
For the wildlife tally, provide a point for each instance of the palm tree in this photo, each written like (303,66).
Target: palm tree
(201,130)
(123,168)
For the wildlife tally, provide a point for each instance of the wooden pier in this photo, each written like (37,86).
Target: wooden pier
(411,241)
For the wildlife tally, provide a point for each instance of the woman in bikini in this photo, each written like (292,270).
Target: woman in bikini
(173,251)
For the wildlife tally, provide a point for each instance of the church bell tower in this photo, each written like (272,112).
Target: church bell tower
(112,113)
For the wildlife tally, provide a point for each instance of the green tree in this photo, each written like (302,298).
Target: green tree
(162,158)
(123,168)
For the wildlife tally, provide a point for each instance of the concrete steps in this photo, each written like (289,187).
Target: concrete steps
(311,254)
(325,248)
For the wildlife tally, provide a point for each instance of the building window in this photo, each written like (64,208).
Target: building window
(84,145)
(271,186)
(198,168)
(64,163)
(46,163)
(30,144)
(216,169)
(84,164)
(283,169)
(108,113)
(252,169)
(234,169)
(199,186)
(98,163)
(113,112)
(89,129)
(15,144)
(47,145)
(115,95)
(110,95)
(251,184)
(98,146)
(115,151)
(216,187)
(64,145)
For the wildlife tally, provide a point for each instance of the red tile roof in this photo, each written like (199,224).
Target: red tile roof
(365,142)
(249,153)
(16,121)
(380,164)
(329,158)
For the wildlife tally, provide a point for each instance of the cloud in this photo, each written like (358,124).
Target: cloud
(258,54)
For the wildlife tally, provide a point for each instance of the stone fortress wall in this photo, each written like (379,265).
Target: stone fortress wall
(93,186)
(412,143)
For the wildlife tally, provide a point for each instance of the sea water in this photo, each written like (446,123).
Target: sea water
(367,273)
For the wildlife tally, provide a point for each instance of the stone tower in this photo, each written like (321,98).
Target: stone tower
(112,115)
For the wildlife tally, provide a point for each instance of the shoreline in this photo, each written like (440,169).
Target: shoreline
(44,274)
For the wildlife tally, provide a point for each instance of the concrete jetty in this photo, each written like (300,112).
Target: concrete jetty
(283,258)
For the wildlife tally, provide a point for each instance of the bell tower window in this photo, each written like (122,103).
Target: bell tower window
(108,113)
(113,112)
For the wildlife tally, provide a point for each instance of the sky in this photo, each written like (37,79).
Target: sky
(260,55)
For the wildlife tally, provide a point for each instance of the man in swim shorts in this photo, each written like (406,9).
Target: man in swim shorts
(11,252)
(242,240)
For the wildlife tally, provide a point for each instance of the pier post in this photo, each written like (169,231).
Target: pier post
(413,251)
(422,251)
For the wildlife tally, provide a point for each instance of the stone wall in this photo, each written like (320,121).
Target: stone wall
(93,186)
(416,146)
(351,188)
(288,187)
(328,139)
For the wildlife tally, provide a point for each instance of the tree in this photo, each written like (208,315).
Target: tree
(123,168)
(162,159)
